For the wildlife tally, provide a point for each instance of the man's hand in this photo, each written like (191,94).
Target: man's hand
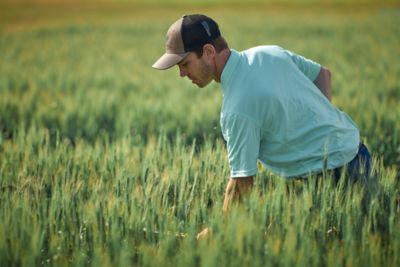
(204,234)
(236,190)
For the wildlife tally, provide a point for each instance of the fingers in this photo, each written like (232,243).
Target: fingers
(203,234)
(236,190)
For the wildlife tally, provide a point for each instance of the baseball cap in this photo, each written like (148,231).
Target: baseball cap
(185,35)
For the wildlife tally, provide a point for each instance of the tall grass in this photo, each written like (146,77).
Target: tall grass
(106,162)
(126,203)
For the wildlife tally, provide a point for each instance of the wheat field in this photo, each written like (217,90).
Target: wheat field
(107,162)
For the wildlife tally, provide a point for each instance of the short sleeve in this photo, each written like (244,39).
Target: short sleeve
(242,135)
(310,68)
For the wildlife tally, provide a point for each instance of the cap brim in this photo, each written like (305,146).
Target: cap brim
(168,60)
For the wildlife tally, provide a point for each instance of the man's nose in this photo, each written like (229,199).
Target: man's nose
(182,72)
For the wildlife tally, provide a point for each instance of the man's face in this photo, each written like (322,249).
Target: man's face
(199,70)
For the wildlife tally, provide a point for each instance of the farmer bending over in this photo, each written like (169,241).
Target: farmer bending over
(276,107)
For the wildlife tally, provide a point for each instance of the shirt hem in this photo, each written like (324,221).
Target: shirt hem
(239,174)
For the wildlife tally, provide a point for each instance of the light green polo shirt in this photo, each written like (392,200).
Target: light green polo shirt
(273,112)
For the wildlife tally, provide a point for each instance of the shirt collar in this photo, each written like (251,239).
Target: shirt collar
(229,68)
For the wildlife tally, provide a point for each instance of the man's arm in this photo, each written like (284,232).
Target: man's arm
(323,82)
(236,190)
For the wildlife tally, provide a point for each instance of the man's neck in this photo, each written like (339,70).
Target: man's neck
(220,61)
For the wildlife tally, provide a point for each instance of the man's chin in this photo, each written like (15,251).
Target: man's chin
(201,85)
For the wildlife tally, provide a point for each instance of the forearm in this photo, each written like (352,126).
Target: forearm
(236,190)
(323,82)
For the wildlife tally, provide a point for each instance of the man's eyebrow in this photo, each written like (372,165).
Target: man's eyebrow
(183,61)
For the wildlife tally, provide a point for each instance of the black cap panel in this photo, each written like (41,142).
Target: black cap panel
(198,30)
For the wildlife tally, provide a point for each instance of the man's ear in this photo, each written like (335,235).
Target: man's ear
(209,50)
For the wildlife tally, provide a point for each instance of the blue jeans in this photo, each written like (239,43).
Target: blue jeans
(358,167)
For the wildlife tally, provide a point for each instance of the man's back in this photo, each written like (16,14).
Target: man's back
(273,112)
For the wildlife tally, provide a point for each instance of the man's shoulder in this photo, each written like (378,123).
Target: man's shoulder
(260,56)
(267,49)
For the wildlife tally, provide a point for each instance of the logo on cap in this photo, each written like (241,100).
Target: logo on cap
(206,27)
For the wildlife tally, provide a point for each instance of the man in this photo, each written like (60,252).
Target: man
(276,107)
